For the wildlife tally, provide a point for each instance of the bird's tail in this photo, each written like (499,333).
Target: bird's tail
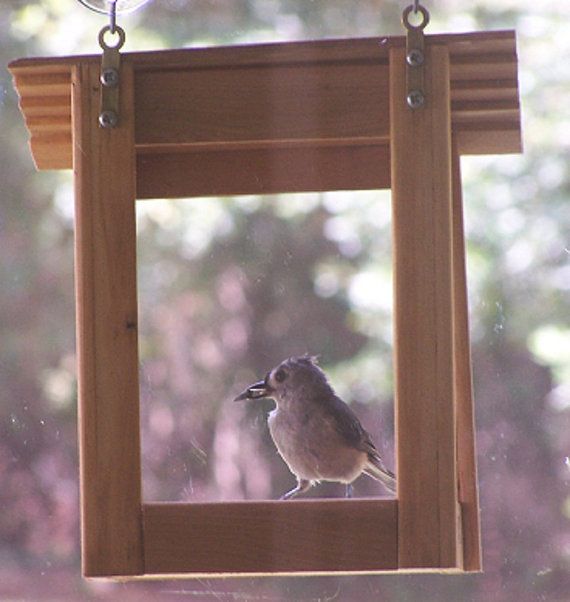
(376,469)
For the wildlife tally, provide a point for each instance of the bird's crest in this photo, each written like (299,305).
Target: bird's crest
(309,359)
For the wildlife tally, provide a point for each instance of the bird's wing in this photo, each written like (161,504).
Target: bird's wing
(349,427)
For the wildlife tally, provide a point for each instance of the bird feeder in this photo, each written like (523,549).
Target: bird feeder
(328,115)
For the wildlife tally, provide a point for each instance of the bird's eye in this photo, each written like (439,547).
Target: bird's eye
(280,375)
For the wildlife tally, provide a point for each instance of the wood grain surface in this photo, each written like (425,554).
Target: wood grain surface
(323,91)
(302,536)
(428,532)
(105,255)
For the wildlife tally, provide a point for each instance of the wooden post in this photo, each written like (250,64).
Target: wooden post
(429,531)
(105,272)
(466,457)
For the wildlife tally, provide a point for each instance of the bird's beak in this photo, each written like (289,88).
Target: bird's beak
(255,391)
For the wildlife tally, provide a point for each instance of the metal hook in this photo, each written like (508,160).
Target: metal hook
(110,77)
(113,16)
(415,55)
(120,41)
(415,8)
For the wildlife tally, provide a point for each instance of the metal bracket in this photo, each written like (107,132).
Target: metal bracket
(110,78)
(415,56)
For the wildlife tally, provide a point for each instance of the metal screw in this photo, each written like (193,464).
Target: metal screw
(416,99)
(108,119)
(415,57)
(110,78)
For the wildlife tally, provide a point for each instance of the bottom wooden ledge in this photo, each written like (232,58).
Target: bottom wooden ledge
(302,537)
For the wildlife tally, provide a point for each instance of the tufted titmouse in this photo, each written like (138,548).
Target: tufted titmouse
(316,433)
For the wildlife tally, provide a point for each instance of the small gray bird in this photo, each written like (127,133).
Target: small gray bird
(316,433)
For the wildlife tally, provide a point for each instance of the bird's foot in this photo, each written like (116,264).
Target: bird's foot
(349,490)
(302,486)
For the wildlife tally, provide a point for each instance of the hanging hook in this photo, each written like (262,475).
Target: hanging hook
(415,8)
(415,54)
(113,16)
(110,73)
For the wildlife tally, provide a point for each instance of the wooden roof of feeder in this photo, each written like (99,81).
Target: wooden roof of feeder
(274,98)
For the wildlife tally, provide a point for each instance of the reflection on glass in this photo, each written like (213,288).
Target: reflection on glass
(106,6)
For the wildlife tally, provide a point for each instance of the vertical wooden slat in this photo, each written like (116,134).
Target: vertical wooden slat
(429,526)
(466,457)
(105,272)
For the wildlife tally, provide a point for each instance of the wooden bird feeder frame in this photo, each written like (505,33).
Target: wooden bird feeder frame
(310,116)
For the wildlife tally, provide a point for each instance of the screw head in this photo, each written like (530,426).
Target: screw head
(110,78)
(415,57)
(108,119)
(416,99)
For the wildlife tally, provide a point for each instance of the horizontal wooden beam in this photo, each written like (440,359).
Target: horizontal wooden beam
(275,93)
(249,104)
(304,536)
(262,171)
